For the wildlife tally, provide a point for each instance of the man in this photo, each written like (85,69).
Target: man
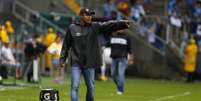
(8,59)
(82,39)
(120,49)
(190,56)
(49,39)
(33,47)
(54,49)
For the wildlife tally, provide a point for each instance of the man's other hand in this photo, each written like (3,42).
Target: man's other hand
(61,63)
(128,23)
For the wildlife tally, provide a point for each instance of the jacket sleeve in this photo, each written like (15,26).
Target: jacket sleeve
(129,45)
(112,26)
(66,46)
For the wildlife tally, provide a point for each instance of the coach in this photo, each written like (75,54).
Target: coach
(81,40)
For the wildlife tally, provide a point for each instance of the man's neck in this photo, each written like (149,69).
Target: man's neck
(82,22)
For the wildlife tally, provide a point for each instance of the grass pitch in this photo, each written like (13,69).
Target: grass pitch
(135,90)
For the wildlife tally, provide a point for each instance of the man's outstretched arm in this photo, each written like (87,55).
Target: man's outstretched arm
(112,26)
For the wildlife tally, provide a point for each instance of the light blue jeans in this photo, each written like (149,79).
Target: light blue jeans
(88,74)
(118,72)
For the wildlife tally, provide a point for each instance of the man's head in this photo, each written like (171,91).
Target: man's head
(50,30)
(6,44)
(86,15)
(58,38)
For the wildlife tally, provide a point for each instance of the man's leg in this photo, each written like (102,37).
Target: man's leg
(97,73)
(75,79)
(121,74)
(114,70)
(89,74)
(103,69)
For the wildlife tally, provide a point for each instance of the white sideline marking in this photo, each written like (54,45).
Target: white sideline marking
(2,89)
(171,96)
(10,88)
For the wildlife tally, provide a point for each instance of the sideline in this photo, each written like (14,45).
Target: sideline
(10,88)
(19,86)
(171,96)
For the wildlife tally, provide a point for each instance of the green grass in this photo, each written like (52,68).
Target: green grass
(135,90)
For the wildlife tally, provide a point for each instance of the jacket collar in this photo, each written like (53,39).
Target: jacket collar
(79,23)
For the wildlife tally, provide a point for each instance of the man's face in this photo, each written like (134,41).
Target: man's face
(58,39)
(86,18)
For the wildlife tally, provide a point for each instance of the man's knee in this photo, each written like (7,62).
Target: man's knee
(74,87)
(90,86)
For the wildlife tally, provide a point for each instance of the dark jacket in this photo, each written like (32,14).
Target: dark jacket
(32,51)
(82,41)
(120,45)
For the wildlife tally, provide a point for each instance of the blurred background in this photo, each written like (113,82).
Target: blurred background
(161,31)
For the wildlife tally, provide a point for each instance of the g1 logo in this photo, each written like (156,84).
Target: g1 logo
(47,96)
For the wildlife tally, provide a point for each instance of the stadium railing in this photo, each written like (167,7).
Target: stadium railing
(32,18)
